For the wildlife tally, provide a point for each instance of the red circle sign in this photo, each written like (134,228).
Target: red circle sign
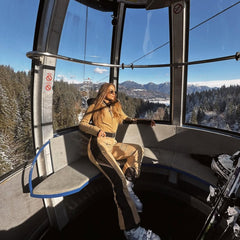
(48,87)
(49,77)
(177,8)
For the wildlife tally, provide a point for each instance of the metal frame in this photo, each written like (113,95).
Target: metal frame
(49,25)
(118,24)
(179,19)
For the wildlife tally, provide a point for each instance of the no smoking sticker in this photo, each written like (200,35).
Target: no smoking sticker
(49,77)
(48,81)
(48,87)
(177,8)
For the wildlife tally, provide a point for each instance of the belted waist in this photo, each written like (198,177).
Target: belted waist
(112,135)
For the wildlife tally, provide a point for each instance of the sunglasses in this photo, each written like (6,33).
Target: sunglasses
(112,92)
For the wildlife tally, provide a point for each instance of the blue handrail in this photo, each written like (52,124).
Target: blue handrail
(32,166)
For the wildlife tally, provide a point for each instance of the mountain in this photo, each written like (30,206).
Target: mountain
(146,91)
(162,87)
(193,88)
(131,85)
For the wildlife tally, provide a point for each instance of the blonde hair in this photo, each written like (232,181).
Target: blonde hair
(99,104)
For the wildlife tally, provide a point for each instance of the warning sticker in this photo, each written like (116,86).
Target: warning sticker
(48,87)
(49,77)
(177,8)
(48,81)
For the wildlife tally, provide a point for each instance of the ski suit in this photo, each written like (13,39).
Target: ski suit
(104,152)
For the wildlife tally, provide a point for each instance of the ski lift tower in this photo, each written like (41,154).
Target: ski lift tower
(87,85)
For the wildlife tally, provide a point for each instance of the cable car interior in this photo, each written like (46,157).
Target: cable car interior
(156,53)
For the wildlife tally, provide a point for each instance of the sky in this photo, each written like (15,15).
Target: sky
(17,25)
(144,31)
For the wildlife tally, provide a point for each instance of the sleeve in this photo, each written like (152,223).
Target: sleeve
(85,125)
(123,115)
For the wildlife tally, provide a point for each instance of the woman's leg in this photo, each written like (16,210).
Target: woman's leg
(133,153)
(99,151)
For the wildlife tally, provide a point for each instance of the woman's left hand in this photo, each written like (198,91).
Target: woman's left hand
(152,123)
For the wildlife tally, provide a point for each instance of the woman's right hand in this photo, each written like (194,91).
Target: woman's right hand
(101,134)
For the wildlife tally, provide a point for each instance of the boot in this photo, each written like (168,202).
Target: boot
(134,197)
(140,234)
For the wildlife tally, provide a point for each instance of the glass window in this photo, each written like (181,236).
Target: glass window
(213,88)
(17,25)
(145,92)
(86,35)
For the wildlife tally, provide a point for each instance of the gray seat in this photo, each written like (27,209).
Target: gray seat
(72,169)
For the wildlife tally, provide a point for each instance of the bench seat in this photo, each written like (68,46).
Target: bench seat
(73,170)
(68,180)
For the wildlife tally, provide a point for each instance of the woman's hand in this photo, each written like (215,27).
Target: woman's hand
(101,134)
(140,121)
(152,123)
(144,121)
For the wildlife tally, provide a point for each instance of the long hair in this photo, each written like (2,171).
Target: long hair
(99,104)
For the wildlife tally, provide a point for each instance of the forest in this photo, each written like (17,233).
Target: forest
(218,108)
(15,119)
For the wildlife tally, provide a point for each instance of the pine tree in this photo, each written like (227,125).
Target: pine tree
(15,119)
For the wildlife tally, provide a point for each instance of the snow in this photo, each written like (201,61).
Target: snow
(217,83)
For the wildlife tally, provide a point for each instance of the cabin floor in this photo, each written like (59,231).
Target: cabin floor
(164,213)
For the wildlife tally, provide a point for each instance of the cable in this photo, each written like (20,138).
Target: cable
(224,10)
(151,52)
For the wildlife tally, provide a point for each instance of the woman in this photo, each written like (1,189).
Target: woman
(101,121)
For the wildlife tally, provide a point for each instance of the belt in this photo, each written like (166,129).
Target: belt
(112,135)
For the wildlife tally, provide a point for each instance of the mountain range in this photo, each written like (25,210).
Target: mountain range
(162,90)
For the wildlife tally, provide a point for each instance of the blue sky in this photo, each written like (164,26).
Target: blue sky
(144,31)
(17,25)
